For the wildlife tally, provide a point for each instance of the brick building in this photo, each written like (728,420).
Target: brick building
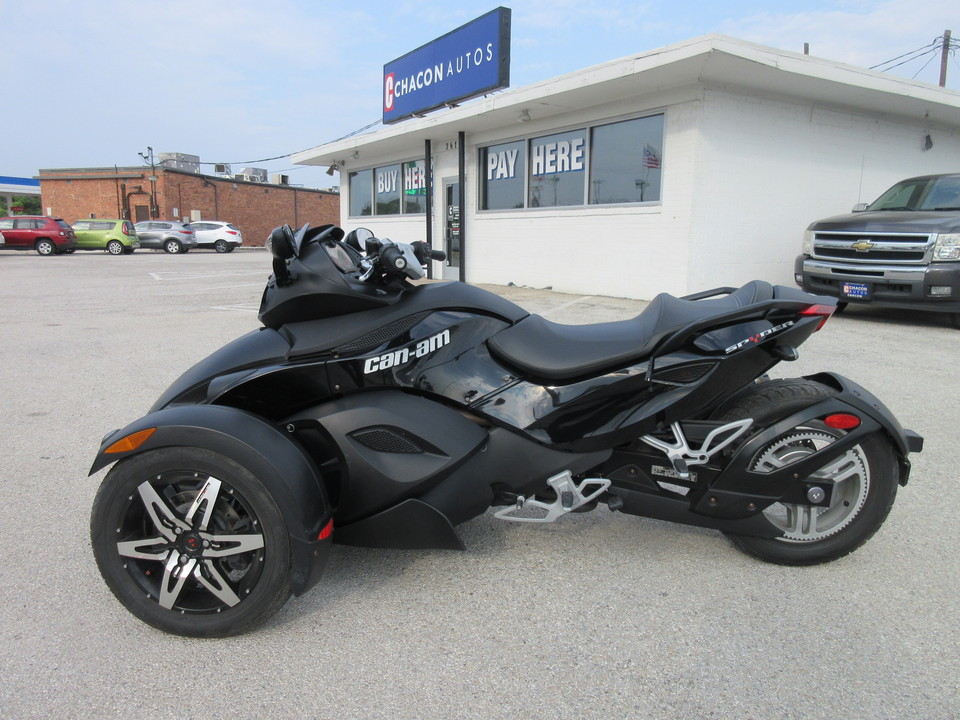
(130,193)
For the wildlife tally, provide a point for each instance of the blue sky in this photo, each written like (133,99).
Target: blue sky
(93,84)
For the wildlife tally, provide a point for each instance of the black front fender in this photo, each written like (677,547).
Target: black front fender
(285,470)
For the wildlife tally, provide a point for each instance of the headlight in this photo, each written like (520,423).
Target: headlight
(807,248)
(947,247)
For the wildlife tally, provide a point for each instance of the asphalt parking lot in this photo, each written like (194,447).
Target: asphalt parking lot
(599,615)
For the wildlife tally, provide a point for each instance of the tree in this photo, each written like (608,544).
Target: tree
(29,203)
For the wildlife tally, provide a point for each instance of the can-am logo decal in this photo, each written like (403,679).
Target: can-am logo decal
(759,336)
(403,355)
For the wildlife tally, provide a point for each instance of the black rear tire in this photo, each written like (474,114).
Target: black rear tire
(866,480)
(211,567)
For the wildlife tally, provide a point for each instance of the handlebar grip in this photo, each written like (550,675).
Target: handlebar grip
(425,253)
(392,259)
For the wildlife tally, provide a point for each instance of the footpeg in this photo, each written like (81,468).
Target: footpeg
(570,496)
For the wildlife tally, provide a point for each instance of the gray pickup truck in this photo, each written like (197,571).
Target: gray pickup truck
(903,250)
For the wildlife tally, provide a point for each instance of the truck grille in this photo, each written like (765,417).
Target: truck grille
(868,247)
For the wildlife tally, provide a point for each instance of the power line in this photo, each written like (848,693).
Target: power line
(930,60)
(291,154)
(916,54)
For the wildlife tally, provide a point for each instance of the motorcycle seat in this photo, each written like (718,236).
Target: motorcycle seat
(560,353)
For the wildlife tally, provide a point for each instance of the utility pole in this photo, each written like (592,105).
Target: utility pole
(148,157)
(944,50)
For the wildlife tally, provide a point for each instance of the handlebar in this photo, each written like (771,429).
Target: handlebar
(425,253)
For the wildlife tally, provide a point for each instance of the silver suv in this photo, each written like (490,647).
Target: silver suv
(174,237)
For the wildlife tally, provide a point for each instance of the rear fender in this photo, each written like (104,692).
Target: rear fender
(285,470)
(740,492)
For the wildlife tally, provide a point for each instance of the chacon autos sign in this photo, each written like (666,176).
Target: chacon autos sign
(469,61)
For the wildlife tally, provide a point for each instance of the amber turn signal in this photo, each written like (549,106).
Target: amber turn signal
(131,442)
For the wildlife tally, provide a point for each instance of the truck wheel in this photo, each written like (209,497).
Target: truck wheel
(191,542)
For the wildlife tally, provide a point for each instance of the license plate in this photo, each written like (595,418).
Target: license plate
(856,290)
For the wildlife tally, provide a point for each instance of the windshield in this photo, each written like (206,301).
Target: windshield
(941,193)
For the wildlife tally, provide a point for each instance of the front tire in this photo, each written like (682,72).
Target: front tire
(865,480)
(191,542)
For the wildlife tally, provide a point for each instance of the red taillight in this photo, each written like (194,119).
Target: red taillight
(842,421)
(822,311)
(232,232)
(327,531)
(186,232)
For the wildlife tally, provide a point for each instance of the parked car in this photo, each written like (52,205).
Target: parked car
(115,236)
(903,250)
(46,235)
(221,236)
(2,240)
(174,237)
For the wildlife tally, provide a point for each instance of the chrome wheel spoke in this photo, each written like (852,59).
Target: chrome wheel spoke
(203,504)
(226,545)
(212,580)
(175,574)
(147,549)
(163,517)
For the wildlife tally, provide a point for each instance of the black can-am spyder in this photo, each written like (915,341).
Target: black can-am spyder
(370,410)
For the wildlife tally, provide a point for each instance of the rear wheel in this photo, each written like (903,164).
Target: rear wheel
(115,247)
(864,480)
(173,247)
(45,247)
(221,246)
(191,542)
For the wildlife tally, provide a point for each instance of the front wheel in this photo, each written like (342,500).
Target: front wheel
(191,542)
(864,480)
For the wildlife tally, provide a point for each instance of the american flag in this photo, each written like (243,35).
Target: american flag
(650,157)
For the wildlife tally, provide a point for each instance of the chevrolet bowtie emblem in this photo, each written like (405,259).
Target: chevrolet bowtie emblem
(862,245)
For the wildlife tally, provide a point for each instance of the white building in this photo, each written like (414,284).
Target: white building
(691,166)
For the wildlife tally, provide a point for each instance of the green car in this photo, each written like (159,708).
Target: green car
(114,236)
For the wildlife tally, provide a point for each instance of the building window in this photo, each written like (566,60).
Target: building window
(389,190)
(557,164)
(361,193)
(626,160)
(622,163)
(414,187)
(504,168)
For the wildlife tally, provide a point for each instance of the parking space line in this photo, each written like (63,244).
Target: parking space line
(239,308)
(162,276)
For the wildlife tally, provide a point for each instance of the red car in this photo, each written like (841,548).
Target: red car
(46,235)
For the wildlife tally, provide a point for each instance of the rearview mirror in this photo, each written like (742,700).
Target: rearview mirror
(282,243)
